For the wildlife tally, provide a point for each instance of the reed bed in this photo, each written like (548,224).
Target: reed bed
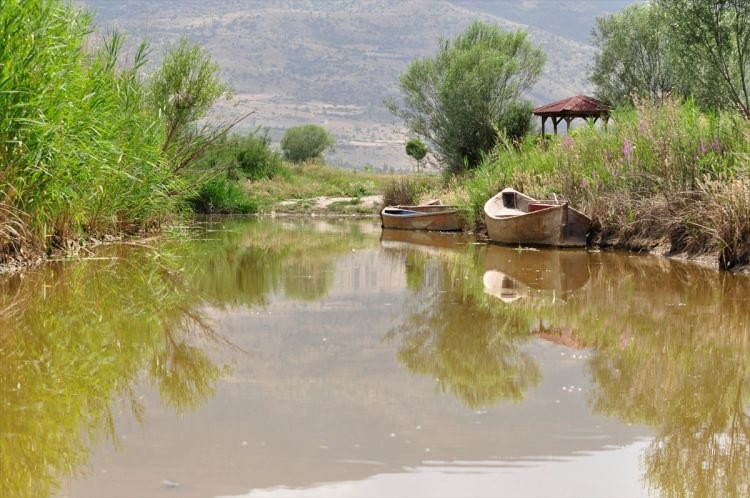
(80,150)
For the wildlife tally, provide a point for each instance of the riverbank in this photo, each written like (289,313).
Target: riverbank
(605,239)
(366,206)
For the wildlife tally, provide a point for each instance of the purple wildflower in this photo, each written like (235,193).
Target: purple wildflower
(716,145)
(627,148)
(584,183)
(703,147)
(568,143)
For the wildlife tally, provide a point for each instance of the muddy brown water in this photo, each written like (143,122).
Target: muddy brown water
(284,357)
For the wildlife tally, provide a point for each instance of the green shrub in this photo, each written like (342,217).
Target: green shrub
(244,156)
(254,157)
(516,121)
(221,195)
(302,143)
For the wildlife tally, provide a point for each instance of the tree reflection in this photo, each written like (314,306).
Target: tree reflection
(234,273)
(76,337)
(414,267)
(670,348)
(450,334)
(183,372)
(705,454)
(82,339)
(248,260)
(697,399)
(307,279)
(678,363)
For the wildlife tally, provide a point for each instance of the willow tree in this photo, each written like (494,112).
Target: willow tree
(183,91)
(456,101)
(695,48)
(634,57)
(715,33)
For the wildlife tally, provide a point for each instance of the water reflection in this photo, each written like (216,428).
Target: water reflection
(669,342)
(673,353)
(663,344)
(74,337)
(480,364)
(77,337)
(670,348)
(512,274)
(242,262)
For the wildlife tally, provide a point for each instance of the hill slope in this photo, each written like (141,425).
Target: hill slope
(332,62)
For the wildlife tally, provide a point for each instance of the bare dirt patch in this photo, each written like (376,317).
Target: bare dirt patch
(366,205)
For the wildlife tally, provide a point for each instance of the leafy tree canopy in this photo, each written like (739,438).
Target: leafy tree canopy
(634,58)
(697,48)
(457,100)
(416,148)
(713,36)
(301,143)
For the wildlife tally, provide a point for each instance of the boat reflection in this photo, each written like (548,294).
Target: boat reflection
(503,287)
(427,241)
(512,274)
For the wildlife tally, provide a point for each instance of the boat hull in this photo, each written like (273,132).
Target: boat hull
(422,217)
(514,218)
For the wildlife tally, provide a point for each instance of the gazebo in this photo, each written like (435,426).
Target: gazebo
(580,106)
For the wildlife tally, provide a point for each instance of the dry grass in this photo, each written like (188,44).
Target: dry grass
(412,190)
(308,181)
(14,235)
(728,207)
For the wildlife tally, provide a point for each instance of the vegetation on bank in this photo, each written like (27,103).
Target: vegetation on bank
(662,174)
(78,149)
(671,169)
(90,146)
(301,183)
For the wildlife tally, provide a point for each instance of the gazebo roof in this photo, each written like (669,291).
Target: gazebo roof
(581,106)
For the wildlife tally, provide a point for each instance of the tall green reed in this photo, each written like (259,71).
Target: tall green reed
(79,148)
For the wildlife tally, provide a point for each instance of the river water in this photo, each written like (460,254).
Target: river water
(284,357)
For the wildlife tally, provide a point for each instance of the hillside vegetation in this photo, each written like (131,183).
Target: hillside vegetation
(333,62)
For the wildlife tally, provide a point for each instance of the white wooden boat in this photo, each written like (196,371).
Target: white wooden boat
(515,218)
